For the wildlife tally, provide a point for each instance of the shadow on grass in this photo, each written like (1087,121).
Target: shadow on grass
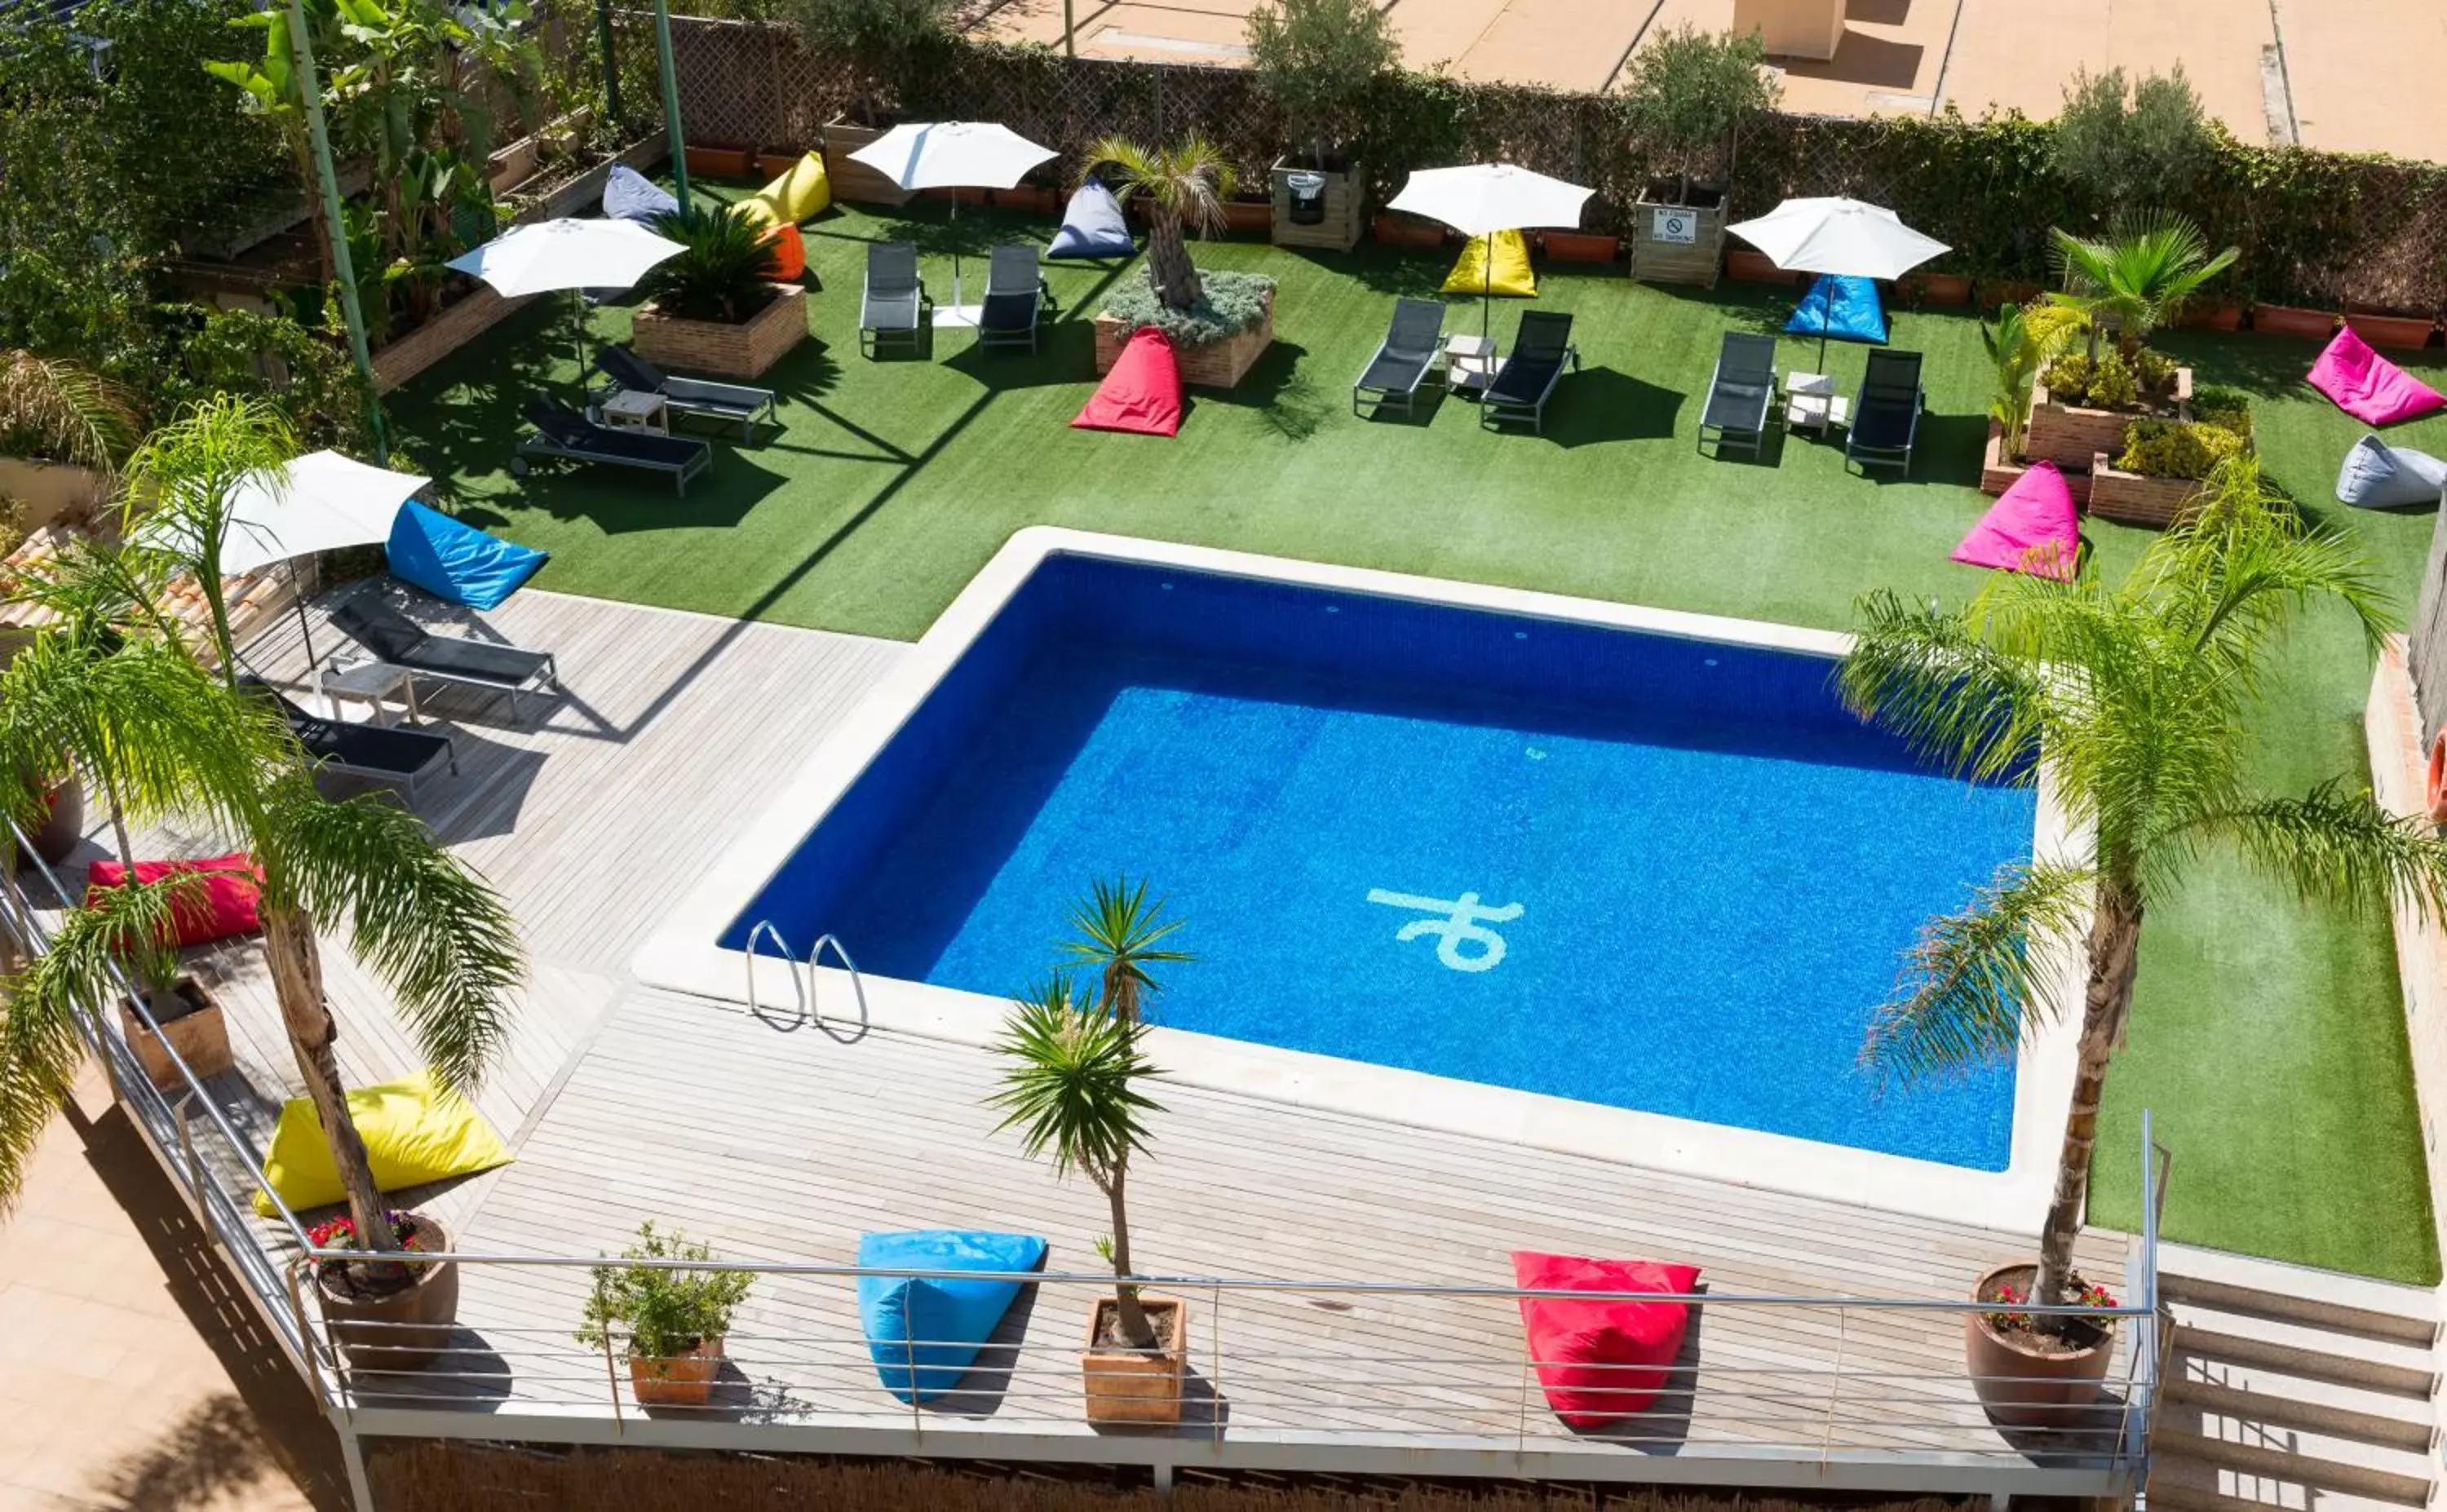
(1601,403)
(1066,353)
(1950,450)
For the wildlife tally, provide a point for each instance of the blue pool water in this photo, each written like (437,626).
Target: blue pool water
(1688,872)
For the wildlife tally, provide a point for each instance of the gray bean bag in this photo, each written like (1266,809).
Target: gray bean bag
(629,195)
(2378,476)
(1092,226)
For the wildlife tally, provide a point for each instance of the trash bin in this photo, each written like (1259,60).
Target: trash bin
(1308,197)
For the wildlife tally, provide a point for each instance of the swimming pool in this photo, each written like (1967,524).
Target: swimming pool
(1643,870)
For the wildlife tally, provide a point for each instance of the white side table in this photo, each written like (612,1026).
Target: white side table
(1812,403)
(376,683)
(1469,363)
(637,410)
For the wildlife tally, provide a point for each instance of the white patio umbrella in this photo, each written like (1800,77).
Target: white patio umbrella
(320,502)
(953,154)
(1848,237)
(573,255)
(1486,198)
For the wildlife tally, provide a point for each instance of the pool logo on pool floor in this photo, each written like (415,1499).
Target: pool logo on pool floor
(1459,926)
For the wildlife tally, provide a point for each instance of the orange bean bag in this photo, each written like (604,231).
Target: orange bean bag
(789,252)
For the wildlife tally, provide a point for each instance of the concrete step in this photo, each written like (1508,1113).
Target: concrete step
(2300,1401)
(2258,1447)
(2352,1359)
(2298,1293)
(2183,1482)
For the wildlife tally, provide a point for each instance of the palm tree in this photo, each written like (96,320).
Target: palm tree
(1068,1087)
(2139,277)
(2020,345)
(183,488)
(2136,697)
(1120,936)
(59,408)
(1185,186)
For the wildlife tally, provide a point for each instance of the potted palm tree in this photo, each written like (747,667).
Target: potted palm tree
(2137,698)
(1319,59)
(2130,283)
(1119,934)
(129,929)
(62,429)
(676,1312)
(1685,101)
(715,306)
(1219,323)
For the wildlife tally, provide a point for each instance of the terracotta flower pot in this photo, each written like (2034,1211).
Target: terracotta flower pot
(63,822)
(774,164)
(1029,198)
(1581,246)
(720,163)
(2213,317)
(1940,287)
(2289,320)
(406,1330)
(683,1380)
(1744,265)
(1990,293)
(1397,229)
(2410,332)
(1136,1386)
(1243,216)
(2021,1383)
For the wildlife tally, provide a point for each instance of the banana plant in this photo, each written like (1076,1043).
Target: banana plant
(272,89)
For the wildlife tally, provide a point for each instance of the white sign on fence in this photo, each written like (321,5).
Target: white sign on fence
(1681,227)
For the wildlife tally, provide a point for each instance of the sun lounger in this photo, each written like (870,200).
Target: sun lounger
(480,664)
(894,303)
(1522,387)
(687,396)
(1741,394)
(392,755)
(1885,420)
(560,431)
(1402,359)
(1016,296)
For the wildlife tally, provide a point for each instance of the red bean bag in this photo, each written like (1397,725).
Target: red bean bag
(1601,1361)
(2368,386)
(224,906)
(1142,395)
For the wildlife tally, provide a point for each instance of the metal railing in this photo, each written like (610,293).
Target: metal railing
(811,1010)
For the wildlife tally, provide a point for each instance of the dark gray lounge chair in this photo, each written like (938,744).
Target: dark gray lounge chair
(687,396)
(1402,359)
(389,755)
(894,303)
(1886,419)
(1016,296)
(1522,387)
(478,664)
(1741,394)
(560,431)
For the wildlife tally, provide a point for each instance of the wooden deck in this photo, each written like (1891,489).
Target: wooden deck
(781,1141)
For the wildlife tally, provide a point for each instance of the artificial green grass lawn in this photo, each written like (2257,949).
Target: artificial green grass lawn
(2268,1038)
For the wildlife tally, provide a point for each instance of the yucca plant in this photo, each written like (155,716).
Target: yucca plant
(1069,1086)
(2137,698)
(2021,344)
(2139,276)
(1120,935)
(725,272)
(54,409)
(1185,186)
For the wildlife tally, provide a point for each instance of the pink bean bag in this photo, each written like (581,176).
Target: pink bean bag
(1601,1361)
(2368,386)
(2029,530)
(1142,395)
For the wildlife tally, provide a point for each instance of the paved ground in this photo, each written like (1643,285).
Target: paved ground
(2347,75)
(132,1375)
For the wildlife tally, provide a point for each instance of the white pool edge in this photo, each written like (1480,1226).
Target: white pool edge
(682,954)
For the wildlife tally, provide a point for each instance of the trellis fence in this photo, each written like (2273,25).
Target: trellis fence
(2318,229)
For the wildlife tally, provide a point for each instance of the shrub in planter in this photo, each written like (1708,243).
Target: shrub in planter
(388,1315)
(883,44)
(2224,406)
(1183,188)
(1228,304)
(2139,277)
(2177,448)
(723,273)
(2023,340)
(2105,382)
(674,1310)
(1686,100)
(1318,58)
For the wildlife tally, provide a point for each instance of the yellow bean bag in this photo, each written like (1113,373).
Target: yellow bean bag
(415,1130)
(1512,275)
(792,197)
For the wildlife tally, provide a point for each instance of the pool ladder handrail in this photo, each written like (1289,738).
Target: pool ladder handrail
(810,1008)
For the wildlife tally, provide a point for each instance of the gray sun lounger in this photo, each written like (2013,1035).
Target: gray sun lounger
(1402,360)
(893,303)
(1522,387)
(1741,394)
(1016,297)
(688,396)
(478,664)
(560,431)
(1886,419)
(383,754)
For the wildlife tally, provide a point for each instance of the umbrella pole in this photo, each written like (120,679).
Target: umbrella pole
(955,223)
(1486,281)
(578,298)
(305,627)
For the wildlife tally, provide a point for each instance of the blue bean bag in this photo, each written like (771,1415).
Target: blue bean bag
(933,1329)
(629,195)
(456,563)
(1092,226)
(2378,476)
(1842,307)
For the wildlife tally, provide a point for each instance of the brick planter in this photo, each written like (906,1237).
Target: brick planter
(1217,365)
(1346,209)
(2070,435)
(399,361)
(2130,498)
(1999,472)
(718,348)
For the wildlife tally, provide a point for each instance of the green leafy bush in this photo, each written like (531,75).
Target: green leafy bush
(1690,91)
(1231,303)
(1317,58)
(2153,369)
(2106,382)
(886,44)
(2175,448)
(2147,152)
(724,272)
(664,1311)
(2224,406)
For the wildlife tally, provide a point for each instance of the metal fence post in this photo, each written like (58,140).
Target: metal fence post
(1834,1384)
(1215,1362)
(611,1376)
(611,65)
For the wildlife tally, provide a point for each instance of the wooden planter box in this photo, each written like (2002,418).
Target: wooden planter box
(1999,472)
(2070,435)
(720,163)
(516,164)
(852,179)
(1394,228)
(717,348)
(2285,320)
(1242,216)
(1580,246)
(1125,1385)
(476,313)
(2132,499)
(1690,251)
(201,1038)
(1346,209)
(1744,265)
(2410,332)
(1217,365)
